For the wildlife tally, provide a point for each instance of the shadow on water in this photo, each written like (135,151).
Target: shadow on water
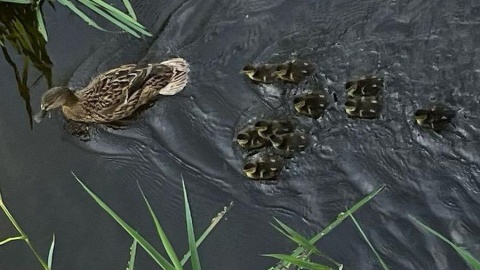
(19,32)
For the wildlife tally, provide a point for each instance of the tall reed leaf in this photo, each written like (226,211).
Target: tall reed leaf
(384,265)
(41,23)
(50,253)
(81,14)
(298,262)
(130,10)
(133,253)
(159,259)
(191,234)
(163,237)
(469,259)
(18,1)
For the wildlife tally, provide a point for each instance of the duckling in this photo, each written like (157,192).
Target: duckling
(117,93)
(289,143)
(435,117)
(363,107)
(264,168)
(310,105)
(264,73)
(267,128)
(294,71)
(365,86)
(249,139)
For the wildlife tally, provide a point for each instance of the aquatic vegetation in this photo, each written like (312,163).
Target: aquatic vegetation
(174,262)
(302,254)
(117,93)
(467,257)
(436,117)
(23,237)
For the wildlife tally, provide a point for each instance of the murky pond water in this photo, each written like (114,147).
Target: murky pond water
(427,51)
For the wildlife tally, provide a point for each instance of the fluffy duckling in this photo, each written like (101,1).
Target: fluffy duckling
(267,128)
(435,117)
(294,71)
(365,86)
(363,107)
(264,168)
(249,139)
(264,73)
(289,143)
(310,105)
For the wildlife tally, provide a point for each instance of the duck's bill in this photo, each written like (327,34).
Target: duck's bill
(39,116)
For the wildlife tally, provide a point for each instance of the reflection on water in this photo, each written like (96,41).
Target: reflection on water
(19,32)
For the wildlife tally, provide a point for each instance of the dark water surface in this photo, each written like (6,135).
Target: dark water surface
(426,51)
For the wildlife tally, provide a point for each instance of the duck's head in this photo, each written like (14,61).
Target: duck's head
(249,70)
(350,106)
(54,98)
(250,168)
(243,138)
(299,103)
(420,116)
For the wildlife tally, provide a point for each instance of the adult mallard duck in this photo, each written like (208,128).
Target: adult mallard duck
(117,93)
(435,117)
(365,86)
(310,105)
(294,71)
(363,107)
(264,167)
(264,73)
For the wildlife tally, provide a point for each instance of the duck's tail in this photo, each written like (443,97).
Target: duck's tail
(179,79)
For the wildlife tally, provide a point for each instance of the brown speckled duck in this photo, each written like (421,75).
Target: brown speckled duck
(117,93)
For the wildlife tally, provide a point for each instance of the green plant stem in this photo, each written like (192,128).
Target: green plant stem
(20,231)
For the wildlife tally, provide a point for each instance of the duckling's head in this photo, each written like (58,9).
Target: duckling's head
(249,168)
(420,116)
(243,138)
(299,103)
(276,140)
(262,125)
(281,69)
(248,70)
(350,106)
(54,98)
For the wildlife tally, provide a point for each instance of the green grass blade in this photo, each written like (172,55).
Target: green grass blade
(12,239)
(469,259)
(163,237)
(41,23)
(384,265)
(50,253)
(299,262)
(133,253)
(296,237)
(159,259)
(130,10)
(109,17)
(124,18)
(191,234)
(81,14)
(340,218)
(209,229)
(17,1)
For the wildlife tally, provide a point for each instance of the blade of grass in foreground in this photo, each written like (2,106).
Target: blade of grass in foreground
(384,265)
(133,252)
(469,259)
(299,262)
(212,225)
(116,13)
(163,237)
(191,234)
(41,23)
(12,239)
(159,259)
(301,241)
(50,253)
(17,1)
(341,217)
(130,10)
(81,14)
